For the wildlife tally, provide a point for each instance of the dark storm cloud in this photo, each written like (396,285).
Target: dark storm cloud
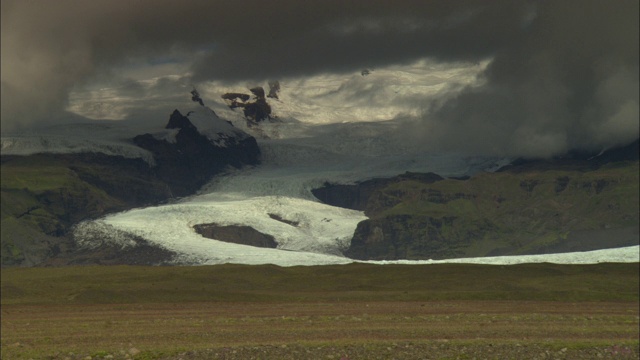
(133,100)
(570,82)
(565,73)
(50,46)
(336,36)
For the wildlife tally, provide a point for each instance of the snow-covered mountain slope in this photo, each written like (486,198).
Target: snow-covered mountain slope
(115,137)
(108,138)
(217,130)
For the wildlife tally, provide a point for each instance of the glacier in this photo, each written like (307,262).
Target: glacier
(248,196)
(328,128)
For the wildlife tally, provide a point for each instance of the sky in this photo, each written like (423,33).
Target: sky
(561,74)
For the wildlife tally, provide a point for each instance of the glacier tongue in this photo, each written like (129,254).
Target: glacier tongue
(321,230)
(282,186)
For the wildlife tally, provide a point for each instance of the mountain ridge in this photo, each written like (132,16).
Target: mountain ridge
(44,195)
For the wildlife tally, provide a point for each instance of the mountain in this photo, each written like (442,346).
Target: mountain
(528,207)
(111,193)
(44,194)
(189,159)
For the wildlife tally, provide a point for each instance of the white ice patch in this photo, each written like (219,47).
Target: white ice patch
(629,254)
(64,144)
(212,126)
(321,232)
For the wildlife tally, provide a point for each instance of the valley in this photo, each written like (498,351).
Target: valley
(317,193)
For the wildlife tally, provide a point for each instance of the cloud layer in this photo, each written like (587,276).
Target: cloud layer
(570,82)
(50,47)
(564,73)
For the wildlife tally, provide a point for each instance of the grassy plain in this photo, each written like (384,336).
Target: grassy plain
(353,311)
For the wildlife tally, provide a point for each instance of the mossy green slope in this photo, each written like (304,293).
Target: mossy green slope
(44,195)
(502,213)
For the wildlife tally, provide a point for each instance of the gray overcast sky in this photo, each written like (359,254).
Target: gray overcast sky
(564,73)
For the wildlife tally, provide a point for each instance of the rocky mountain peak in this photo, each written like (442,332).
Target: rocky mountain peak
(258,91)
(179,121)
(195,97)
(274,88)
(192,159)
(257,110)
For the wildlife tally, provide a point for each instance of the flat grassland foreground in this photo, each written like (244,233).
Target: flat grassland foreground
(357,311)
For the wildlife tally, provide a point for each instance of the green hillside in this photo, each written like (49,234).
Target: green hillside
(44,195)
(525,212)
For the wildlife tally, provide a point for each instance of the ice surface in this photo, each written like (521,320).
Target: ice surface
(115,137)
(321,230)
(111,138)
(630,254)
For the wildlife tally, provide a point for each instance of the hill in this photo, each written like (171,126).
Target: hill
(45,194)
(530,207)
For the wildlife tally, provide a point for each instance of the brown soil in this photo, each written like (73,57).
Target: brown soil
(323,330)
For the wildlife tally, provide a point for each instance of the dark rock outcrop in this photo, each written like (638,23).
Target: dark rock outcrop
(233,98)
(256,111)
(236,234)
(402,237)
(178,121)
(258,91)
(193,159)
(357,196)
(274,89)
(195,97)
